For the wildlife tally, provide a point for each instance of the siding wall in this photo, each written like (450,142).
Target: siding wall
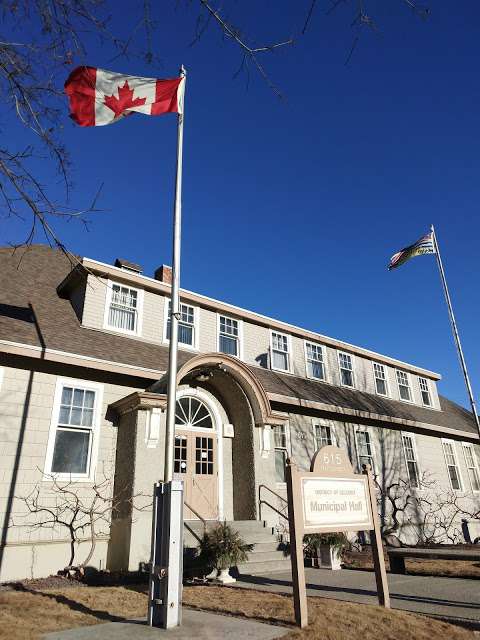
(26,404)
(255,347)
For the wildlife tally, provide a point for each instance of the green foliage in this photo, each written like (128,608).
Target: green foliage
(312,542)
(222,547)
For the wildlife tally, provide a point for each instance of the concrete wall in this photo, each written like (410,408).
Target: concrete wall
(26,403)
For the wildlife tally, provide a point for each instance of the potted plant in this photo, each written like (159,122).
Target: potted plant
(222,547)
(325,549)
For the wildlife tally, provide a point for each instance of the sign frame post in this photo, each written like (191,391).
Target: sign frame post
(331,468)
(377,547)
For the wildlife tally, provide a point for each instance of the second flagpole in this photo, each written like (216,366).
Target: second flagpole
(456,335)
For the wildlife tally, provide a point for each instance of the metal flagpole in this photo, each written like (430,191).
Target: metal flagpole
(174,303)
(166,572)
(454,328)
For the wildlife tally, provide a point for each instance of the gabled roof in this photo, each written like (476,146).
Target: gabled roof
(32,313)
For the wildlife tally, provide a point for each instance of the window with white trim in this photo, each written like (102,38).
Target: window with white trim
(346,369)
(280,351)
(315,361)
(365,449)
(123,308)
(471,463)
(75,420)
(228,336)
(404,386)
(280,437)
(186,324)
(425,391)
(322,434)
(411,459)
(452,464)
(380,379)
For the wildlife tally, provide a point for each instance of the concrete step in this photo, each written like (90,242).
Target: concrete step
(260,568)
(265,556)
(272,545)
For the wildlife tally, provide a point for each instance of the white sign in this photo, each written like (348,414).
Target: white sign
(336,504)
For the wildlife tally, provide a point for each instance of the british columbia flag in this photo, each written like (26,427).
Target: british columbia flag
(419,248)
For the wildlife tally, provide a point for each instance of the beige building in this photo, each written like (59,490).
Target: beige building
(83,359)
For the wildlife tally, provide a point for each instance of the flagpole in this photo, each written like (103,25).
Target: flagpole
(175,302)
(165,586)
(456,335)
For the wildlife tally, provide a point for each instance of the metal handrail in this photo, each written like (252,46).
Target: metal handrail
(198,516)
(260,501)
(264,486)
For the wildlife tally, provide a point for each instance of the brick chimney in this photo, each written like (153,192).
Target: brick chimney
(127,265)
(164,274)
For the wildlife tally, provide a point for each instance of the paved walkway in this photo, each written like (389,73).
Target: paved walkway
(196,624)
(456,599)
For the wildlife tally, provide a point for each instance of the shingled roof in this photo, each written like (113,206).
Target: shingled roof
(32,313)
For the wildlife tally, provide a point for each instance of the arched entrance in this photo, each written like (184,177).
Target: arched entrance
(198,454)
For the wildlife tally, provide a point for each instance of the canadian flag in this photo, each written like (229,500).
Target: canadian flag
(99,97)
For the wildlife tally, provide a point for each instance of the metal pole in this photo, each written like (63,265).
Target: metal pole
(175,302)
(454,329)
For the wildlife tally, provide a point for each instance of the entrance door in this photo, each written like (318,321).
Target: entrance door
(195,460)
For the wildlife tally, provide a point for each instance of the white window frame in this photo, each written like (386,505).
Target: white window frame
(409,381)
(476,467)
(322,423)
(410,435)
(372,449)
(287,449)
(352,360)
(196,325)
(240,334)
(307,360)
(108,300)
(288,352)
(385,371)
(87,385)
(459,473)
(427,390)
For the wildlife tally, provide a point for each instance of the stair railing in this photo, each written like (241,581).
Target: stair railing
(268,504)
(195,513)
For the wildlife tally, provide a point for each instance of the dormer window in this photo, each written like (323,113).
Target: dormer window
(280,351)
(187,325)
(404,386)
(346,369)
(123,309)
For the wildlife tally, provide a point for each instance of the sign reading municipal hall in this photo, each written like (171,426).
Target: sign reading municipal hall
(328,498)
(336,504)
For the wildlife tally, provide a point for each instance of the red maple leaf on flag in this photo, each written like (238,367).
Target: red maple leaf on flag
(124,101)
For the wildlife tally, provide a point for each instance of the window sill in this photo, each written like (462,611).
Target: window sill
(181,345)
(122,332)
(66,478)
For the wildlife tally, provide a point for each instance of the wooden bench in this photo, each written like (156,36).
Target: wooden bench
(397,555)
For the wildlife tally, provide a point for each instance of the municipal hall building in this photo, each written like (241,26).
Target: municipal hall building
(83,370)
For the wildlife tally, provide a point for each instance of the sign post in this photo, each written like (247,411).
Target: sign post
(331,498)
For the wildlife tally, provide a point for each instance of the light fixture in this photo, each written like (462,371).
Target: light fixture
(203,376)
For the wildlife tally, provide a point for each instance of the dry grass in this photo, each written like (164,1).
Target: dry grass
(28,614)
(424,567)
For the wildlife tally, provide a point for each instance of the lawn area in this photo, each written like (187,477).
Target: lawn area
(423,567)
(27,614)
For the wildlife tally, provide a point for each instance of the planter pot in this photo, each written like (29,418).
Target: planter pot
(224,577)
(329,557)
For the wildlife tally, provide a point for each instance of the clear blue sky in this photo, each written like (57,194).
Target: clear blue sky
(292,208)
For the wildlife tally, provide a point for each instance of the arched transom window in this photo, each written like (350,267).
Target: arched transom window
(192,413)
